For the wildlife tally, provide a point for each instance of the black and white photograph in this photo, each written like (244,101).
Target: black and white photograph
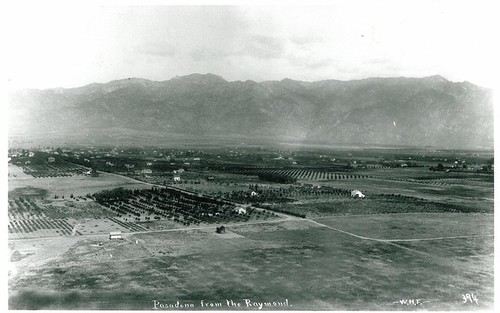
(249,156)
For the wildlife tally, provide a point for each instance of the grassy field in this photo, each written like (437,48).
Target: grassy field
(419,226)
(65,186)
(312,266)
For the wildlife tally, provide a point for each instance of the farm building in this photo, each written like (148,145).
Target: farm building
(357,194)
(177,178)
(115,235)
(220,230)
(253,194)
(51,160)
(240,210)
(92,172)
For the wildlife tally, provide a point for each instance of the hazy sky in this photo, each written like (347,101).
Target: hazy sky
(68,46)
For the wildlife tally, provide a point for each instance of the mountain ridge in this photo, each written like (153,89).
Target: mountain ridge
(429,111)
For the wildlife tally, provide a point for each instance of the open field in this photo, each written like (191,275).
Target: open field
(65,186)
(331,270)
(416,226)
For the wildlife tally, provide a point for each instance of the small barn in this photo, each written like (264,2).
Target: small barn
(240,210)
(357,194)
(115,235)
(220,230)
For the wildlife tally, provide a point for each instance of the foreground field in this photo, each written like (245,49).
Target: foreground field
(306,262)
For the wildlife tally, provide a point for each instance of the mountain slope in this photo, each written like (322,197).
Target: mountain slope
(391,111)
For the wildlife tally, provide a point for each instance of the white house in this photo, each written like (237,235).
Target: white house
(240,211)
(115,235)
(357,194)
(253,194)
(177,178)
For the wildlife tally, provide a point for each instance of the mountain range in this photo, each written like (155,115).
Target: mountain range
(430,111)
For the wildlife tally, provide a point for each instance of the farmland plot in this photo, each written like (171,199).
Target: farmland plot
(64,169)
(35,218)
(176,205)
(303,174)
(65,186)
